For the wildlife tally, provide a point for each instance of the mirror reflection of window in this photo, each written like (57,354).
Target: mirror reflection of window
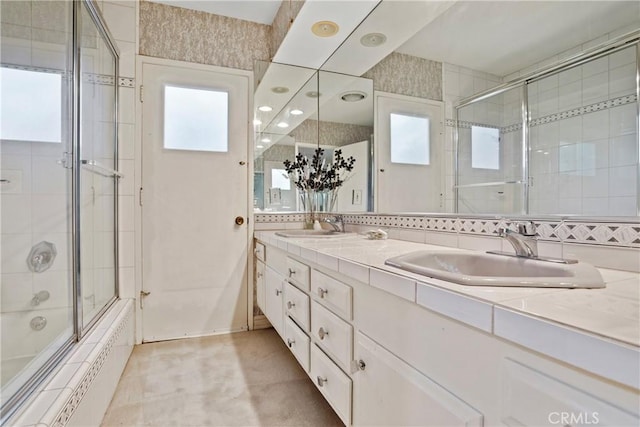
(195,119)
(409,139)
(31,106)
(280,179)
(485,147)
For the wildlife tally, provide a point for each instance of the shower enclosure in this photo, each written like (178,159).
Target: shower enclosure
(58,185)
(562,141)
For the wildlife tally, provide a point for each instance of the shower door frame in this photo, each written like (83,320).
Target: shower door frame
(13,402)
(623,42)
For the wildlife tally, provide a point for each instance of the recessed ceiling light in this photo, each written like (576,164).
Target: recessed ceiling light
(283,125)
(257,122)
(265,140)
(354,96)
(313,94)
(265,108)
(373,39)
(279,89)
(259,146)
(296,112)
(325,28)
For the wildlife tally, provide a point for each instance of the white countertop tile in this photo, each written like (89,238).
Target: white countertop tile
(612,312)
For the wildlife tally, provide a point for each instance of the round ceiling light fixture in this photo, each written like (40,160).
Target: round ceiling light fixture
(265,108)
(353,96)
(259,146)
(279,89)
(373,39)
(296,112)
(257,122)
(265,140)
(313,94)
(283,125)
(325,28)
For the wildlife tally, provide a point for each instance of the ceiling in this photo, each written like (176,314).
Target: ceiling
(497,37)
(500,37)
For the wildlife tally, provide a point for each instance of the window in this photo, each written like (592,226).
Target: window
(280,179)
(409,139)
(31,106)
(196,119)
(485,147)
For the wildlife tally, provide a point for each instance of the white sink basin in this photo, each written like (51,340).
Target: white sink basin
(312,233)
(483,269)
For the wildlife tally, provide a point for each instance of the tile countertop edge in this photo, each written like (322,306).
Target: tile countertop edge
(620,358)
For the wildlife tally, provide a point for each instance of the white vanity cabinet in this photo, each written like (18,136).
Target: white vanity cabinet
(274,297)
(261,270)
(387,391)
(297,341)
(296,305)
(332,382)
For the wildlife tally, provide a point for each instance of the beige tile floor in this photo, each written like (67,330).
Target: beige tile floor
(242,379)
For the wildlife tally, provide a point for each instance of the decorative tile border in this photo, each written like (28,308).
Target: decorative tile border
(126,82)
(78,394)
(570,231)
(611,103)
(623,100)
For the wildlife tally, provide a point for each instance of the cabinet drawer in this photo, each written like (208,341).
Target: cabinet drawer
(298,342)
(273,300)
(333,293)
(260,290)
(334,384)
(296,305)
(333,334)
(260,251)
(298,274)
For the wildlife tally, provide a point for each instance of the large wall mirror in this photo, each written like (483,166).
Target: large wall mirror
(298,110)
(563,142)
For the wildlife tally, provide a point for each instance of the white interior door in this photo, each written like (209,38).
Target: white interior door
(409,153)
(194,179)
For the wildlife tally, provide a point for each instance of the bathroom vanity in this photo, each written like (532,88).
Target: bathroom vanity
(390,347)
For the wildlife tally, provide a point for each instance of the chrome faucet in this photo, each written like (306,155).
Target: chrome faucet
(336,222)
(523,241)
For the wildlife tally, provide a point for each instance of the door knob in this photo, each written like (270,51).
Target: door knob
(239,220)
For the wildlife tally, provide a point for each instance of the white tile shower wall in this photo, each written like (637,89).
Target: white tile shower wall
(584,141)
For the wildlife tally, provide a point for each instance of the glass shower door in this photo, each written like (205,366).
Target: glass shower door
(491,166)
(98,176)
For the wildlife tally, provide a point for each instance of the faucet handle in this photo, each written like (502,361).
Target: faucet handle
(527,228)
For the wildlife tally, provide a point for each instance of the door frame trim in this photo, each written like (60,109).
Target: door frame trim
(140,61)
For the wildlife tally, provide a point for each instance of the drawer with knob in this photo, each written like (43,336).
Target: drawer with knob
(333,334)
(297,341)
(334,384)
(259,251)
(332,293)
(296,305)
(298,274)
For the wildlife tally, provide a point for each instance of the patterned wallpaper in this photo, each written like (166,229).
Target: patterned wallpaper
(193,36)
(288,11)
(331,133)
(408,75)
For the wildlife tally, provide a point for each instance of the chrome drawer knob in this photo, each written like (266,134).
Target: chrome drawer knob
(290,342)
(278,292)
(290,305)
(321,381)
(322,332)
(322,292)
(291,272)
